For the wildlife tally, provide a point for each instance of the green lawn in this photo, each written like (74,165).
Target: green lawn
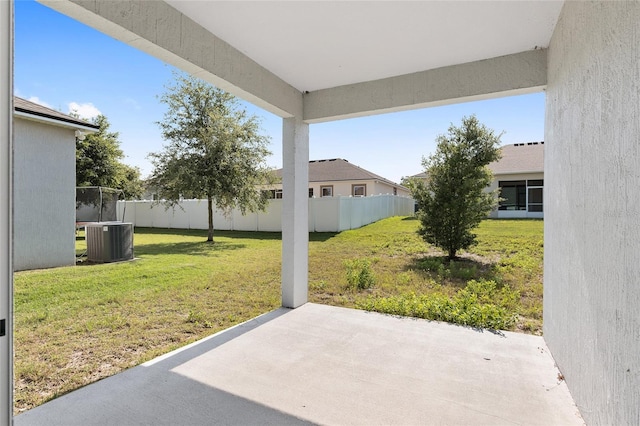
(75,325)
(407,270)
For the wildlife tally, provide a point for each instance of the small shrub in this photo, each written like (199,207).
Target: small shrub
(458,270)
(431,264)
(450,269)
(479,304)
(359,274)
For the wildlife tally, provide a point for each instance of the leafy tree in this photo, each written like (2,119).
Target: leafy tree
(98,155)
(454,198)
(214,150)
(98,163)
(130,182)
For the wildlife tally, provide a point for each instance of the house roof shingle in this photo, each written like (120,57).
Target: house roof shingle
(520,158)
(31,108)
(338,169)
(527,157)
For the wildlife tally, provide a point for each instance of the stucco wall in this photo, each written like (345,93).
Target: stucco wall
(44,195)
(592,208)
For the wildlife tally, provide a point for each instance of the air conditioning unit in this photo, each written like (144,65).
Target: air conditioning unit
(109,241)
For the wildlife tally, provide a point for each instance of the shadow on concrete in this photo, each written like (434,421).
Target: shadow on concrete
(152,394)
(330,365)
(142,397)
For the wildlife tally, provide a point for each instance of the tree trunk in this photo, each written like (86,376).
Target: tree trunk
(210,210)
(452,254)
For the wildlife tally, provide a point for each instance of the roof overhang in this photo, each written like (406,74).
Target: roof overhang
(54,121)
(326,60)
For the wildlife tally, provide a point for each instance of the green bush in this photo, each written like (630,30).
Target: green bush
(432,264)
(458,270)
(479,304)
(359,274)
(451,269)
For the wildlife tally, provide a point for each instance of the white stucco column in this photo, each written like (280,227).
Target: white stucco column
(295,212)
(6,268)
(591,208)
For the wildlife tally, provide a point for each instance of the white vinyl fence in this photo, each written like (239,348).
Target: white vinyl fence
(326,214)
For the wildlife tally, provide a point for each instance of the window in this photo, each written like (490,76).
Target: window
(513,194)
(521,195)
(278,194)
(359,190)
(310,192)
(535,195)
(534,202)
(326,191)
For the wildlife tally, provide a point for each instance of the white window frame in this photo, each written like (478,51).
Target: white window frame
(329,187)
(529,204)
(359,185)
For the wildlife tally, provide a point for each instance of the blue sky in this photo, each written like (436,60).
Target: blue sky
(66,65)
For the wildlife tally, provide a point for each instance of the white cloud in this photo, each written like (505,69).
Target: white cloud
(86,110)
(37,100)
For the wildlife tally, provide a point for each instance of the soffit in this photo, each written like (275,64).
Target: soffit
(314,45)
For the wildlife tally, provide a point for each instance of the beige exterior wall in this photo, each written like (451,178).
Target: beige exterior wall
(383,188)
(44,195)
(345,188)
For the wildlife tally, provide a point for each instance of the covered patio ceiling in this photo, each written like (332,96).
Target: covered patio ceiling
(348,58)
(314,45)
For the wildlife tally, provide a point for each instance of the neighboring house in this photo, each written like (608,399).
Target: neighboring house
(338,177)
(44,185)
(520,176)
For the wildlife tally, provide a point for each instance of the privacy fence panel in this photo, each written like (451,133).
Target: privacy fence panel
(326,214)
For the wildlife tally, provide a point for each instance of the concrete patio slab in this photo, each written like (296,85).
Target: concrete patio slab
(328,365)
